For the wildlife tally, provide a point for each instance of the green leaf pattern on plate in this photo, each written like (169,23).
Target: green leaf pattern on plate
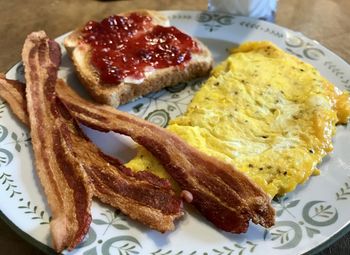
(282,205)
(34,213)
(288,234)
(312,231)
(8,182)
(239,249)
(3,133)
(305,49)
(214,21)
(319,213)
(2,108)
(114,219)
(121,244)
(23,140)
(344,191)
(125,245)
(302,48)
(261,27)
(338,73)
(5,155)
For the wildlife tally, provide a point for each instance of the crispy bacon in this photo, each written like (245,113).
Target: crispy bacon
(65,182)
(142,196)
(225,196)
(13,92)
(222,194)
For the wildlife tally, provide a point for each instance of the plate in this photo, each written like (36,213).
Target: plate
(306,218)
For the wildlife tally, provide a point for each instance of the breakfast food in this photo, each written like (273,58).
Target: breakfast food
(13,92)
(229,207)
(65,183)
(113,183)
(128,55)
(264,111)
(74,163)
(226,197)
(223,195)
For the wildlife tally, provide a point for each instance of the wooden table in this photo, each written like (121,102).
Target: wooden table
(326,21)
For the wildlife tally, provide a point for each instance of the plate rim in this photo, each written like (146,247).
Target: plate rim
(26,237)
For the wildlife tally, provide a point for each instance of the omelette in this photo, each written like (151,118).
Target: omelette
(266,112)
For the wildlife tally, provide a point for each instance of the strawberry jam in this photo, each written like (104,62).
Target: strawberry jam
(127,46)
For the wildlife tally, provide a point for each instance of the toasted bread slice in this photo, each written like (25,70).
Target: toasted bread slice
(129,89)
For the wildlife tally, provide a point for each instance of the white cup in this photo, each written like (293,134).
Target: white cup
(260,9)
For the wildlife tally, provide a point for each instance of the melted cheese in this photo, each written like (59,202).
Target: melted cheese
(268,113)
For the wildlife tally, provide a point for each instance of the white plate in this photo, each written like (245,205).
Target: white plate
(306,218)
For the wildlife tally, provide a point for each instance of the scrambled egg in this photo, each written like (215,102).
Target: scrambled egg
(268,113)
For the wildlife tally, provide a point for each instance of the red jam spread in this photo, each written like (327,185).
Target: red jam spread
(124,46)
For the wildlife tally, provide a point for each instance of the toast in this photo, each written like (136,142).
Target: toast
(129,88)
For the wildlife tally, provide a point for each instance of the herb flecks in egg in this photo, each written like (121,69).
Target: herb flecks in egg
(270,115)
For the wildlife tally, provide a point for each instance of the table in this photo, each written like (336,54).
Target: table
(327,21)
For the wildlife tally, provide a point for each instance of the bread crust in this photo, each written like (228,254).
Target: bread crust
(124,92)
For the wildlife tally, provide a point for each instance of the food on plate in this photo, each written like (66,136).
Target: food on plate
(13,92)
(225,196)
(128,55)
(264,111)
(65,182)
(229,207)
(113,183)
(70,167)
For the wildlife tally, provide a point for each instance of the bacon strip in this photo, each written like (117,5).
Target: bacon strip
(222,194)
(13,92)
(142,196)
(65,182)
